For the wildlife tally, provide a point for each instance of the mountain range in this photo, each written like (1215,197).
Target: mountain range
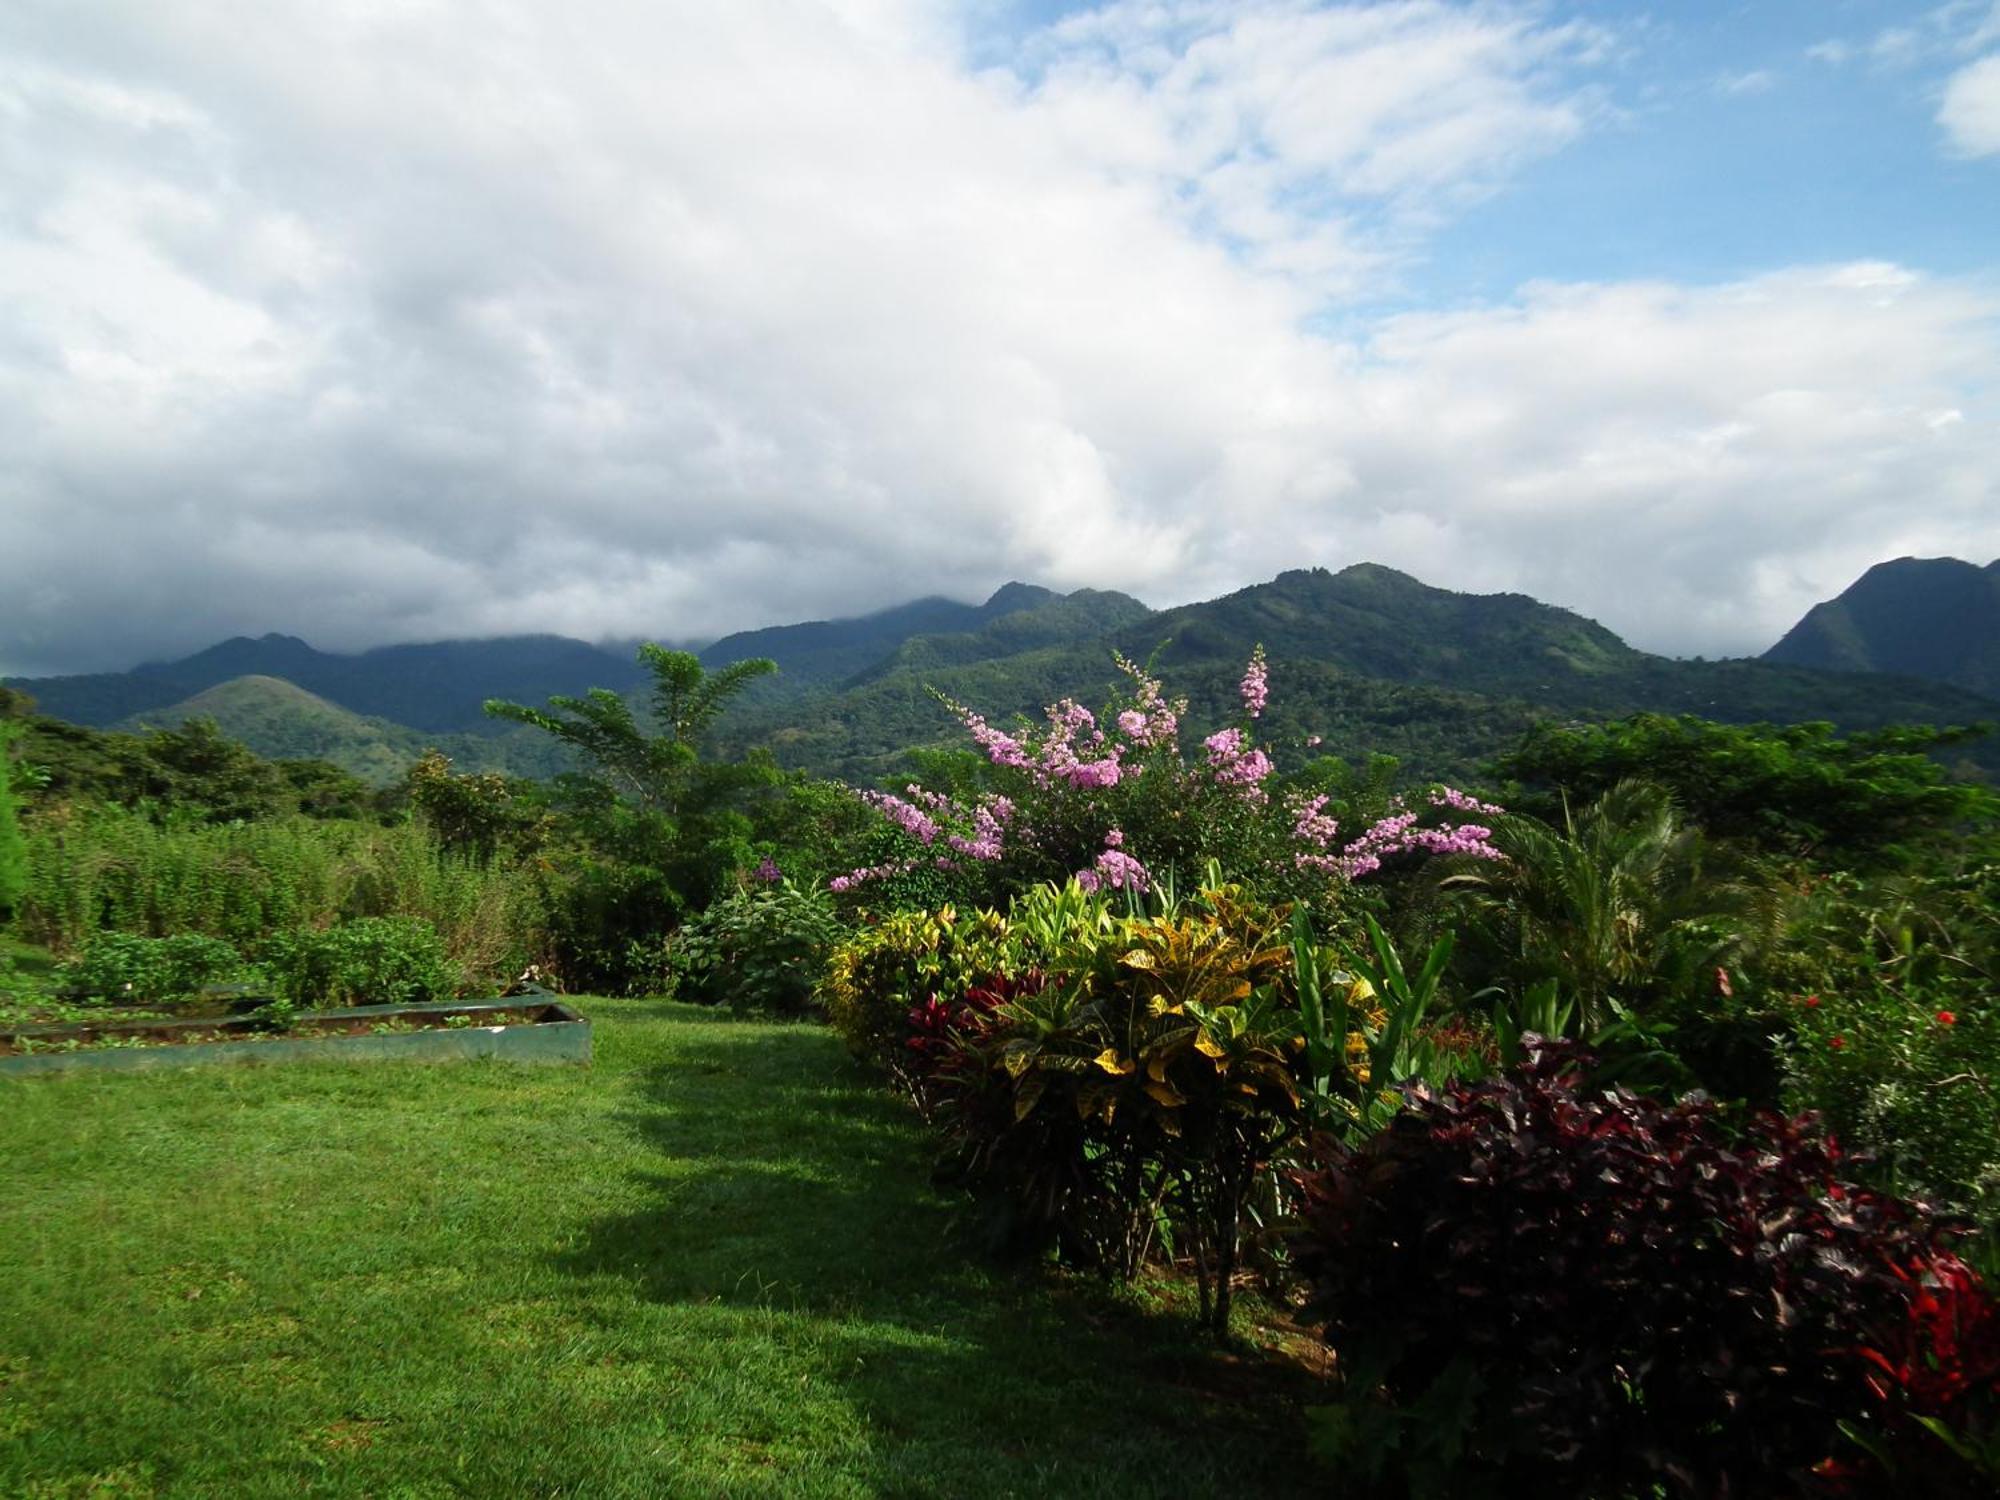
(1369,658)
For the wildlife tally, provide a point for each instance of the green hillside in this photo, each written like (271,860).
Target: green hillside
(1936,617)
(282,721)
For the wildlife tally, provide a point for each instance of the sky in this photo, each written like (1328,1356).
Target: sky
(393,320)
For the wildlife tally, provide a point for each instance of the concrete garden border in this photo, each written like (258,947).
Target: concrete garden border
(557,1033)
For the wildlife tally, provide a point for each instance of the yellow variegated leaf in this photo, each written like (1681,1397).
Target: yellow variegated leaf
(1208,1046)
(1028,1098)
(1163,1093)
(1016,1063)
(1112,1063)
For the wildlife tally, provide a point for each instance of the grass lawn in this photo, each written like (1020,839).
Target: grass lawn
(709,1265)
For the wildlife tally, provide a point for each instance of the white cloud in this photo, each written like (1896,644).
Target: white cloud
(1970,112)
(1756,81)
(403,321)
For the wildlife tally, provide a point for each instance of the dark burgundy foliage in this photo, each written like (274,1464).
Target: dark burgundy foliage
(1606,1293)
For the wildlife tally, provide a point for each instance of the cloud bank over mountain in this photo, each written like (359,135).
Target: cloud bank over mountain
(387,322)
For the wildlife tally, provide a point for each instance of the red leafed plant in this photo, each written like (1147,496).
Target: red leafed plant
(1536,1284)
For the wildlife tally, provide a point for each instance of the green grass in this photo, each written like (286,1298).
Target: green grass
(709,1265)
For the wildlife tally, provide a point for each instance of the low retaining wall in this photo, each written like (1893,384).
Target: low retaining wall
(556,1034)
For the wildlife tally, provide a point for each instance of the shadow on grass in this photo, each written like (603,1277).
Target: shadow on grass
(789,1182)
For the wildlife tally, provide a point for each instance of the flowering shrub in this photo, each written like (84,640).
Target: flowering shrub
(1908,1081)
(1111,801)
(1538,1288)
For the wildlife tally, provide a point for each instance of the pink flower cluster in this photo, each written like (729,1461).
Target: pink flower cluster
(1398,833)
(1074,752)
(1256,684)
(1152,722)
(976,833)
(1115,869)
(1233,761)
(1451,797)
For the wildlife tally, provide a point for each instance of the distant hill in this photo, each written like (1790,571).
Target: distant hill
(282,721)
(1932,617)
(821,652)
(1376,622)
(439,687)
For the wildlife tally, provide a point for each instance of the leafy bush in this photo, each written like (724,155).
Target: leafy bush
(118,966)
(13,850)
(371,961)
(1535,1288)
(1911,1081)
(876,977)
(757,950)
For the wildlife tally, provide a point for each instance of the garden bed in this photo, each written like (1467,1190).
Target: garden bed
(521,1030)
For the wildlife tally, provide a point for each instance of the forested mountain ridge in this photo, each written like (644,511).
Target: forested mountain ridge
(1932,617)
(1368,658)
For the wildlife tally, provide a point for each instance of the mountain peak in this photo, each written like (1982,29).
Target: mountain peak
(1930,617)
(1010,597)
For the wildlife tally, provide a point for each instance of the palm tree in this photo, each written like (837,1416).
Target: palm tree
(1624,902)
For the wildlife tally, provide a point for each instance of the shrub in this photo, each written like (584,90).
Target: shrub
(371,961)
(13,850)
(105,869)
(1533,1287)
(118,966)
(1911,1080)
(875,978)
(757,950)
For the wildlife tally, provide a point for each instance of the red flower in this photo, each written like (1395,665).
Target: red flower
(1811,1002)
(1946,1018)
(1836,1042)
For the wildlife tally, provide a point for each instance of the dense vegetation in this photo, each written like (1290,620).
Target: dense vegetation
(1179,991)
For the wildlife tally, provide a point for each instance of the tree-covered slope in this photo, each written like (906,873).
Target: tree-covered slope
(281,721)
(1933,617)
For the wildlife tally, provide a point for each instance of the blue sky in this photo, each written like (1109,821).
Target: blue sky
(429,318)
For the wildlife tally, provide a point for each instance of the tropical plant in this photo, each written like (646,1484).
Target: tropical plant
(657,771)
(763,949)
(1910,1079)
(1541,1287)
(1625,902)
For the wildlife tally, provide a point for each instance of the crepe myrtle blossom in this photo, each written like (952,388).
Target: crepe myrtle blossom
(1074,752)
(1152,722)
(1398,833)
(1115,870)
(1233,761)
(1256,684)
(975,833)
